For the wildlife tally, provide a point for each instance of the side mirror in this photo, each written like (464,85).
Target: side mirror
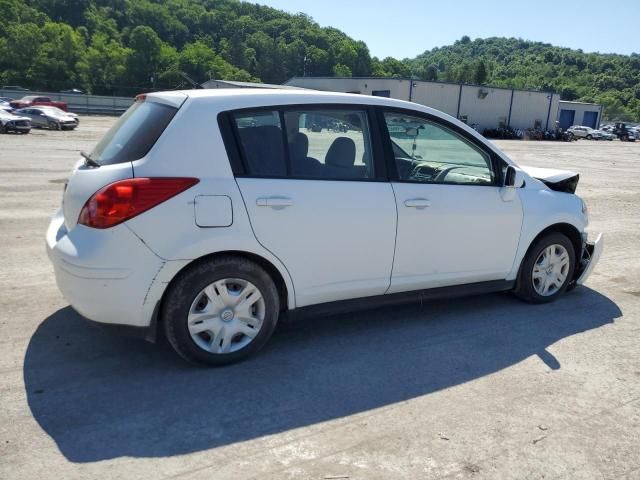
(513,178)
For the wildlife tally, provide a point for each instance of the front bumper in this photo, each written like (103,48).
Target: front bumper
(590,255)
(18,128)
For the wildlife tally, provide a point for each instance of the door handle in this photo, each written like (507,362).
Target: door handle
(417,203)
(274,202)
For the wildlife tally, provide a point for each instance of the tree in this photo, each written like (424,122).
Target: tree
(105,64)
(430,73)
(341,70)
(480,75)
(143,64)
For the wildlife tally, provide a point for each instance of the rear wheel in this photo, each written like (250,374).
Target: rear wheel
(221,311)
(547,269)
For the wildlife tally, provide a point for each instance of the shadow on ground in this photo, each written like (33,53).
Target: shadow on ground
(100,395)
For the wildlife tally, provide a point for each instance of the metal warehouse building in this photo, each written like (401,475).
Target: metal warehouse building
(488,107)
(578,113)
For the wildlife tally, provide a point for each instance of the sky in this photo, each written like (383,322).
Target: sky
(407,28)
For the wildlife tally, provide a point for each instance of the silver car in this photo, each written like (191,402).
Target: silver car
(61,112)
(46,118)
(14,123)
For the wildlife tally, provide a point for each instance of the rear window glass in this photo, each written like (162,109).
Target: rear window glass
(133,135)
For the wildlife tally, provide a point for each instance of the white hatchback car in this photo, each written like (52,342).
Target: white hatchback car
(212,212)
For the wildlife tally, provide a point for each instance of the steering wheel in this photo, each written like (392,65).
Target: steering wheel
(443,173)
(422,171)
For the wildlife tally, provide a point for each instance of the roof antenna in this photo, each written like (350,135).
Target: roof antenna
(191,81)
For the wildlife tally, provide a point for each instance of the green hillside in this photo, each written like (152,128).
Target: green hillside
(613,80)
(127,46)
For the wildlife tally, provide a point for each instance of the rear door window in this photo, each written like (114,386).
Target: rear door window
(135,132)
(331,144)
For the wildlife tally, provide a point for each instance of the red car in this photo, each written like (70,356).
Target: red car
(34,100)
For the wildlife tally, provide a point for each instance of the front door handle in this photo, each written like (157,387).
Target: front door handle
(274,202)
(417,203)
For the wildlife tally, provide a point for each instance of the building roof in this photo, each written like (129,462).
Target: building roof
(211,83)
(421,81)
(580,103)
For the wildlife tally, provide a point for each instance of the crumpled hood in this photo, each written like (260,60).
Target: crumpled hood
(559,180)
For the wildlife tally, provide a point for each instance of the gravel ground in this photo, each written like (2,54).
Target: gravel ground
(484,387)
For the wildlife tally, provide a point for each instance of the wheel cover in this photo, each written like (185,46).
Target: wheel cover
(226,315)
(550,270)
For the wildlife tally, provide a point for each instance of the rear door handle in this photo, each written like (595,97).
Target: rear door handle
(274,202)
(417,203)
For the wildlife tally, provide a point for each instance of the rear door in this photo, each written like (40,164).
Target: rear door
(454,227)
(313,182)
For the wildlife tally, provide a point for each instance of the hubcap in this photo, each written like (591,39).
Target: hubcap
(226,315)
(550,270)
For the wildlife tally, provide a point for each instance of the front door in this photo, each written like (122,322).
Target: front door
(454,227)
(313,199)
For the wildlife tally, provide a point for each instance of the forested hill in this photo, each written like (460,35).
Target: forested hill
(128,46)
(107,45)
(613,80)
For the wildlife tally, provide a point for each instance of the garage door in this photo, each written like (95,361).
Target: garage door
(590,119)
(566,118)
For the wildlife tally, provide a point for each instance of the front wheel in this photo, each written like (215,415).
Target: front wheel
(589,137)
(221,311)
(547,269)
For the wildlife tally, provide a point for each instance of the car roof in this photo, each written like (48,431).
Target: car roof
(233,98)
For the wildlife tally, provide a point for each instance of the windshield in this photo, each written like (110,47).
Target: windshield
(133,135)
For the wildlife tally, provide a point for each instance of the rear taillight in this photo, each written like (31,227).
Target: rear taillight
(125,199)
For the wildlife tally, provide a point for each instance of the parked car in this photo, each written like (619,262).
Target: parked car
(43,117)
(603,135)
(4,105)
(16,88)
(213,236)
(34,101)
(589,133)
(625,132)
(62,112)
(14,123)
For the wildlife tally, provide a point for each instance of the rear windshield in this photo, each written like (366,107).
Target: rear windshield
(133,135)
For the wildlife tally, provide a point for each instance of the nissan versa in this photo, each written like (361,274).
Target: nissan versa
(210,213)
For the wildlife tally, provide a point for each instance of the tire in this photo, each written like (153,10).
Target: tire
(53,125)
(589,137)
(3,129)
(193,295)
(530,290)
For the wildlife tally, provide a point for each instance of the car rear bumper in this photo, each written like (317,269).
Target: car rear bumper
(590,256)
(106,275)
